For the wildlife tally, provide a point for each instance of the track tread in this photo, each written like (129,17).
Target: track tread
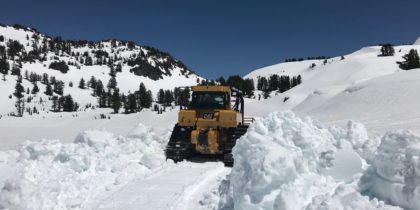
(233,136)
(179,146)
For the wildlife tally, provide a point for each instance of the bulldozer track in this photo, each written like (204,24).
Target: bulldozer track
(233,136)
(179,146)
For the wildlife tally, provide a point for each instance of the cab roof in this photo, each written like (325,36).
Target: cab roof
(202,88)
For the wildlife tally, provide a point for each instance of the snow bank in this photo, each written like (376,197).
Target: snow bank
(284,162)
(394,175)
(54,175)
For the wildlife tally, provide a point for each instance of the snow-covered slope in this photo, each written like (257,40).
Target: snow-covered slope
(384,103)
(86,59)
(362,86)
(417,42)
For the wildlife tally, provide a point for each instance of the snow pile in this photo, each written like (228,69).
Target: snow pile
(394,174)
(54,175)
(284,162)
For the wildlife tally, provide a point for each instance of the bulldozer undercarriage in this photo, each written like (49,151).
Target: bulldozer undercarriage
(180,148)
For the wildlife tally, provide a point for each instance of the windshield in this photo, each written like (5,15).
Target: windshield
(212,100)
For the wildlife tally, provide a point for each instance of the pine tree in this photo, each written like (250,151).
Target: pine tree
(60,103)
(149,99)
(48,90)
(387,50)
(161,96)
(82,84)
(55,104)
(109,98)
(143,96)
(112,84)
(168,98)
(99,89)
(68,104)
(20,106)
(35,89)
(4,67)
(412,60)
(118,68)
(19,89)
(92,82)
(248,88)
(44,79)
(58,87)
(266,93)
(132,103)
(299,79)
(15,69)
(221,80)
(102,100)
(116,101)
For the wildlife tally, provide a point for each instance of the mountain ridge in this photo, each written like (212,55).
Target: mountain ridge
(32,54)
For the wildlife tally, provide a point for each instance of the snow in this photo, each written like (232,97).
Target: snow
(55,175)
(383,103)
(358,87)
(282,162)
(394,173)
(417,42)
(174,187)
(127,82)
(65,126)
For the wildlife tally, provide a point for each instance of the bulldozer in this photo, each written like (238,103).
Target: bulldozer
(209,125)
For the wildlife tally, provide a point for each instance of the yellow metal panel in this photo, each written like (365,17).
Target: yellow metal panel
(207,123)
(211,88)
(228,118)
(213,139)
(187,118)
(194,137)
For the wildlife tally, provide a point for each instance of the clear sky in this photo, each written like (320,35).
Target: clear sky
(226,37)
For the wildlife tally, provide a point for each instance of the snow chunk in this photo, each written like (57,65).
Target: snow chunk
(395,171)
(285,162)
(346,197)
(56,175)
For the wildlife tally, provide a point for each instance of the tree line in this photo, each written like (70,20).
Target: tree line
(277,83)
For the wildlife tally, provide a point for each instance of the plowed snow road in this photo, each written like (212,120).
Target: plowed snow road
(177,187)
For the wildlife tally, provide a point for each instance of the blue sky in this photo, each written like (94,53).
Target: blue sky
(226,37)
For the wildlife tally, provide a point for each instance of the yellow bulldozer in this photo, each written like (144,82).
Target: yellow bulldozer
(210,124)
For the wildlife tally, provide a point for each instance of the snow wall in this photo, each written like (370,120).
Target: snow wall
(285,162)
(55,175)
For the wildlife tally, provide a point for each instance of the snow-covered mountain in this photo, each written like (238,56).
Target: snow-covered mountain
(33,52)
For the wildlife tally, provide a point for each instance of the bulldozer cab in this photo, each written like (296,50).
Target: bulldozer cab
(207,98)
